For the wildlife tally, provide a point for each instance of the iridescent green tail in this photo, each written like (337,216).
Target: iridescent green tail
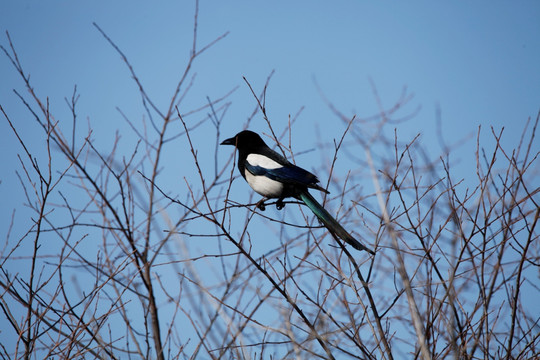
(330,223)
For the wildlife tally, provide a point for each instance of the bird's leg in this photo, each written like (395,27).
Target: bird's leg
(260,205)
(279,204)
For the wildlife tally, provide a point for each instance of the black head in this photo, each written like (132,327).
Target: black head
(245,139)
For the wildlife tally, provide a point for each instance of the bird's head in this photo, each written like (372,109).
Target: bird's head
(245,139)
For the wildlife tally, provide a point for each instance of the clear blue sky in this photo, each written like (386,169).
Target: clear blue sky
(478,61)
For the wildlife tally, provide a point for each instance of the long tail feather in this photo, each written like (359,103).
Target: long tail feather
(331,224)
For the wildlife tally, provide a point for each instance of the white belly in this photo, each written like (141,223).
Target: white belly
(264,186)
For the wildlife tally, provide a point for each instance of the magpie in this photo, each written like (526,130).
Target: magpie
(274,177)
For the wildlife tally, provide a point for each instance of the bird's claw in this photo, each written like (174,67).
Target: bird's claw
(261,206)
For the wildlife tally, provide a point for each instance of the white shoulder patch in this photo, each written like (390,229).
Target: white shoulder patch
(262,161)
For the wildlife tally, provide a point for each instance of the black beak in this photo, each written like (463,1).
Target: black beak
(231,141)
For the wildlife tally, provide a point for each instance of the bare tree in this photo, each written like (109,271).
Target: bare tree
(117,265)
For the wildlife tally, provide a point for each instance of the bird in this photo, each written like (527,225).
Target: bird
(271,175)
